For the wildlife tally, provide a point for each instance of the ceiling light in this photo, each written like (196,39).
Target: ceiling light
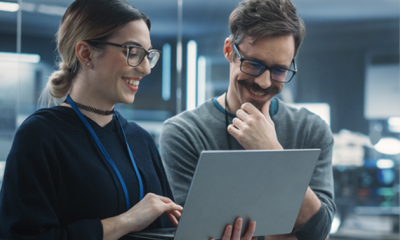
(9,7)
(385,163)
(28,7)
(388,145)
(51,10)
(201,80)
(335,225)
(191,75)
(23,57)
(394,124)
(321,109)
(166,72)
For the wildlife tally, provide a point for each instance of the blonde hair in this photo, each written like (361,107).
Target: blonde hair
(84,20)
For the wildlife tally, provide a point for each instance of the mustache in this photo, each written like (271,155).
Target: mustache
(255,87)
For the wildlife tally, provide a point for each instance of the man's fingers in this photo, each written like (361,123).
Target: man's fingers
(265,108)
(249,108)
(227,233)
(236,122)
(233,131)
(242,115)
(237,229)
(250,231)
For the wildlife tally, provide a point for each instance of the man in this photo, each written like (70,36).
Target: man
(265,37)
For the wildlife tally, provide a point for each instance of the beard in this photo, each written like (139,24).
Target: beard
(270,91)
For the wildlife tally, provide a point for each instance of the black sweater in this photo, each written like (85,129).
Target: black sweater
(58,185)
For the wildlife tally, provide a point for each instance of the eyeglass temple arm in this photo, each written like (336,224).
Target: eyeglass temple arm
(107,43)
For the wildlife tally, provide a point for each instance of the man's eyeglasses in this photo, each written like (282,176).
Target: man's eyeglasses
(252,68)
(135,54)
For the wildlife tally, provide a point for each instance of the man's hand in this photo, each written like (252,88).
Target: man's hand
(290,236)
(254,129)
(234,233)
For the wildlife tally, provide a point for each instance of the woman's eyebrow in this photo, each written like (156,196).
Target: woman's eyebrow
(132,43)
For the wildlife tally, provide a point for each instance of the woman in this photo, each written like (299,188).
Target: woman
(79,170)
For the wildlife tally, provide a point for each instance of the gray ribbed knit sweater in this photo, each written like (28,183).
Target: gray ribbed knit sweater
(184,137)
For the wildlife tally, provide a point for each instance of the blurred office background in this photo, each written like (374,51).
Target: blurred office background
(348,72)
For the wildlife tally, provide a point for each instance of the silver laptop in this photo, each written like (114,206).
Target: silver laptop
(266,186)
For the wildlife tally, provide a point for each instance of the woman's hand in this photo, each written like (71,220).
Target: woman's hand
(234,234)
(149,209)
(140,216)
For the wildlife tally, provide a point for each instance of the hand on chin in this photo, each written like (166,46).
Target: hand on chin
(254,129)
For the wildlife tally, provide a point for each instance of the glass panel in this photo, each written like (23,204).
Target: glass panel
(340,39)
(150,109)
(41,19)
(9,78)
(332,72)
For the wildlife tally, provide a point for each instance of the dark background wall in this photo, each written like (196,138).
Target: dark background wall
(332,67)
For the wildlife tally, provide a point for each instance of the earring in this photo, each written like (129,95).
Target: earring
(88,64)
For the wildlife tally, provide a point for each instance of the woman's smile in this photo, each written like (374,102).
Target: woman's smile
(132,83)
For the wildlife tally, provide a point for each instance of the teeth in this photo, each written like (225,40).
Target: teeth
(132,82)
(260,93)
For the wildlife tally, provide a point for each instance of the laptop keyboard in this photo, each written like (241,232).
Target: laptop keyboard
(162,230)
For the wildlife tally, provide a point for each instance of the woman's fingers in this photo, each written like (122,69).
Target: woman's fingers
(173,207)
(170,205)
(174,216)
(177,214)
(173,219)
(150,208)
(165,199)
(172,210)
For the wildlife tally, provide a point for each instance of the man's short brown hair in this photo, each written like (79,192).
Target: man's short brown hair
(261,18)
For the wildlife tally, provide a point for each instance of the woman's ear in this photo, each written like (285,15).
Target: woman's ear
(228,51)
(84,52)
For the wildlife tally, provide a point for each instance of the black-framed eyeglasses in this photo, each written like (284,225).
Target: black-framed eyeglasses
(135,54)
(252,68)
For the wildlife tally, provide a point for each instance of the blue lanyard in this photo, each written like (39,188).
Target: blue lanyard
(103,150)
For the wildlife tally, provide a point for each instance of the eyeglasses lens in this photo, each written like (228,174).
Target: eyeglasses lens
(280,75)
(153,58)
(136,55)
(277,74)
(252,68)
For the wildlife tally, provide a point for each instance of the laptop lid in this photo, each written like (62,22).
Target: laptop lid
(266,186)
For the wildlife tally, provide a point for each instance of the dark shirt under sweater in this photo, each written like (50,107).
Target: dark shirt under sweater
(58,185)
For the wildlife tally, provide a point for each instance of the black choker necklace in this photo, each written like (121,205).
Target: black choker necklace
(91,109)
